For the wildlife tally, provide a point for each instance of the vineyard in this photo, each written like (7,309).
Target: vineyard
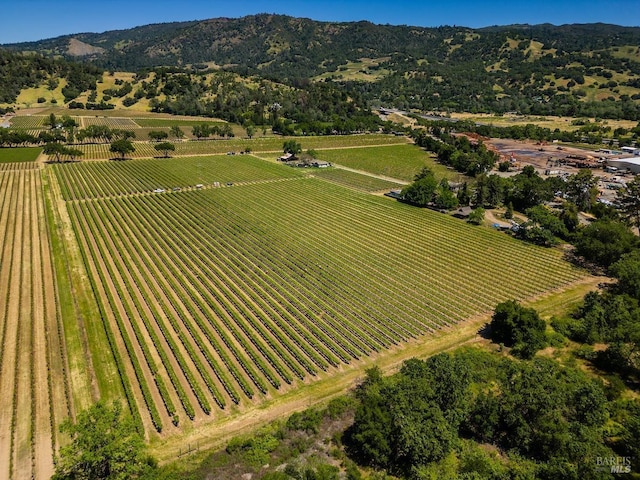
(111,122)
(169,122)
(33,373)
(395,161)
(230,296)
(366,183)
(103,179)
(261,144)
(28,121)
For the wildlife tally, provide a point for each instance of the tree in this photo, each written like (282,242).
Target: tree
(250,129)
(52,121)
(464,196)
(627,271)
(399,424)
(165,147)
(508,214)
(605,241)
(444,196)
(476,217)
(225,130)
(104,445)
(201,131)
(122,146)
(582,189)
(292,147)
(58,151)
(518,327)
(176,131)
(548,220)
(422,191)
(55,149)
(629,201)
(157,135)
(569,216)
(529,189)
(73,152)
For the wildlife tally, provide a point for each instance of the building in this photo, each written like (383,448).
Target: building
(287,157)
(631,151)
(623,164)
(320,164)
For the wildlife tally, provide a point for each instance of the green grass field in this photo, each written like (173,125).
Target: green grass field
(355,180)
(19,154)
(397,161)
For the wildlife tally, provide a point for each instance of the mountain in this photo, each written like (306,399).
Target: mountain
(591,69)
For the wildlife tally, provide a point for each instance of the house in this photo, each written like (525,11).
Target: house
(631,150)
(463,212)
(395,193)
(287,157)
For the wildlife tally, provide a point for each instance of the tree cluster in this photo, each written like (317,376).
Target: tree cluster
(427,191)
(548,420)
(457,151)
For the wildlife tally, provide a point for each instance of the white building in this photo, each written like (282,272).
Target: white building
(631,150)
(622,164)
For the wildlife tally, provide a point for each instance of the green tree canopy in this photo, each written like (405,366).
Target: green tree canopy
(104,445)
(627,271)
(605,241)
(157,135)
(176,131)
(165,148)
(582,189)
(291,146)
(422,191)
(122,146)
(629,201)
(518,327)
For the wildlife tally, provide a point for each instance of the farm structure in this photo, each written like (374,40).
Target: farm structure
(631,164)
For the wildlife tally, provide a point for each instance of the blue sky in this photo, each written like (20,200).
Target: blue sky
(25,20)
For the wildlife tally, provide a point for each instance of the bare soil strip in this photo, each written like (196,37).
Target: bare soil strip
(28,317)
(23,413)
(42,401)
(9,315)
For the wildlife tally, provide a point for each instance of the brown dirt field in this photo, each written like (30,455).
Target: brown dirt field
(527,152)
(8,283)
(9,192)
(23,410)
(27,450)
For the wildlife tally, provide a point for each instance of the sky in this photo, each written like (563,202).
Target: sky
(28,20)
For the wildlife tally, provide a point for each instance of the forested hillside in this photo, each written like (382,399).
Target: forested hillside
(575,70)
